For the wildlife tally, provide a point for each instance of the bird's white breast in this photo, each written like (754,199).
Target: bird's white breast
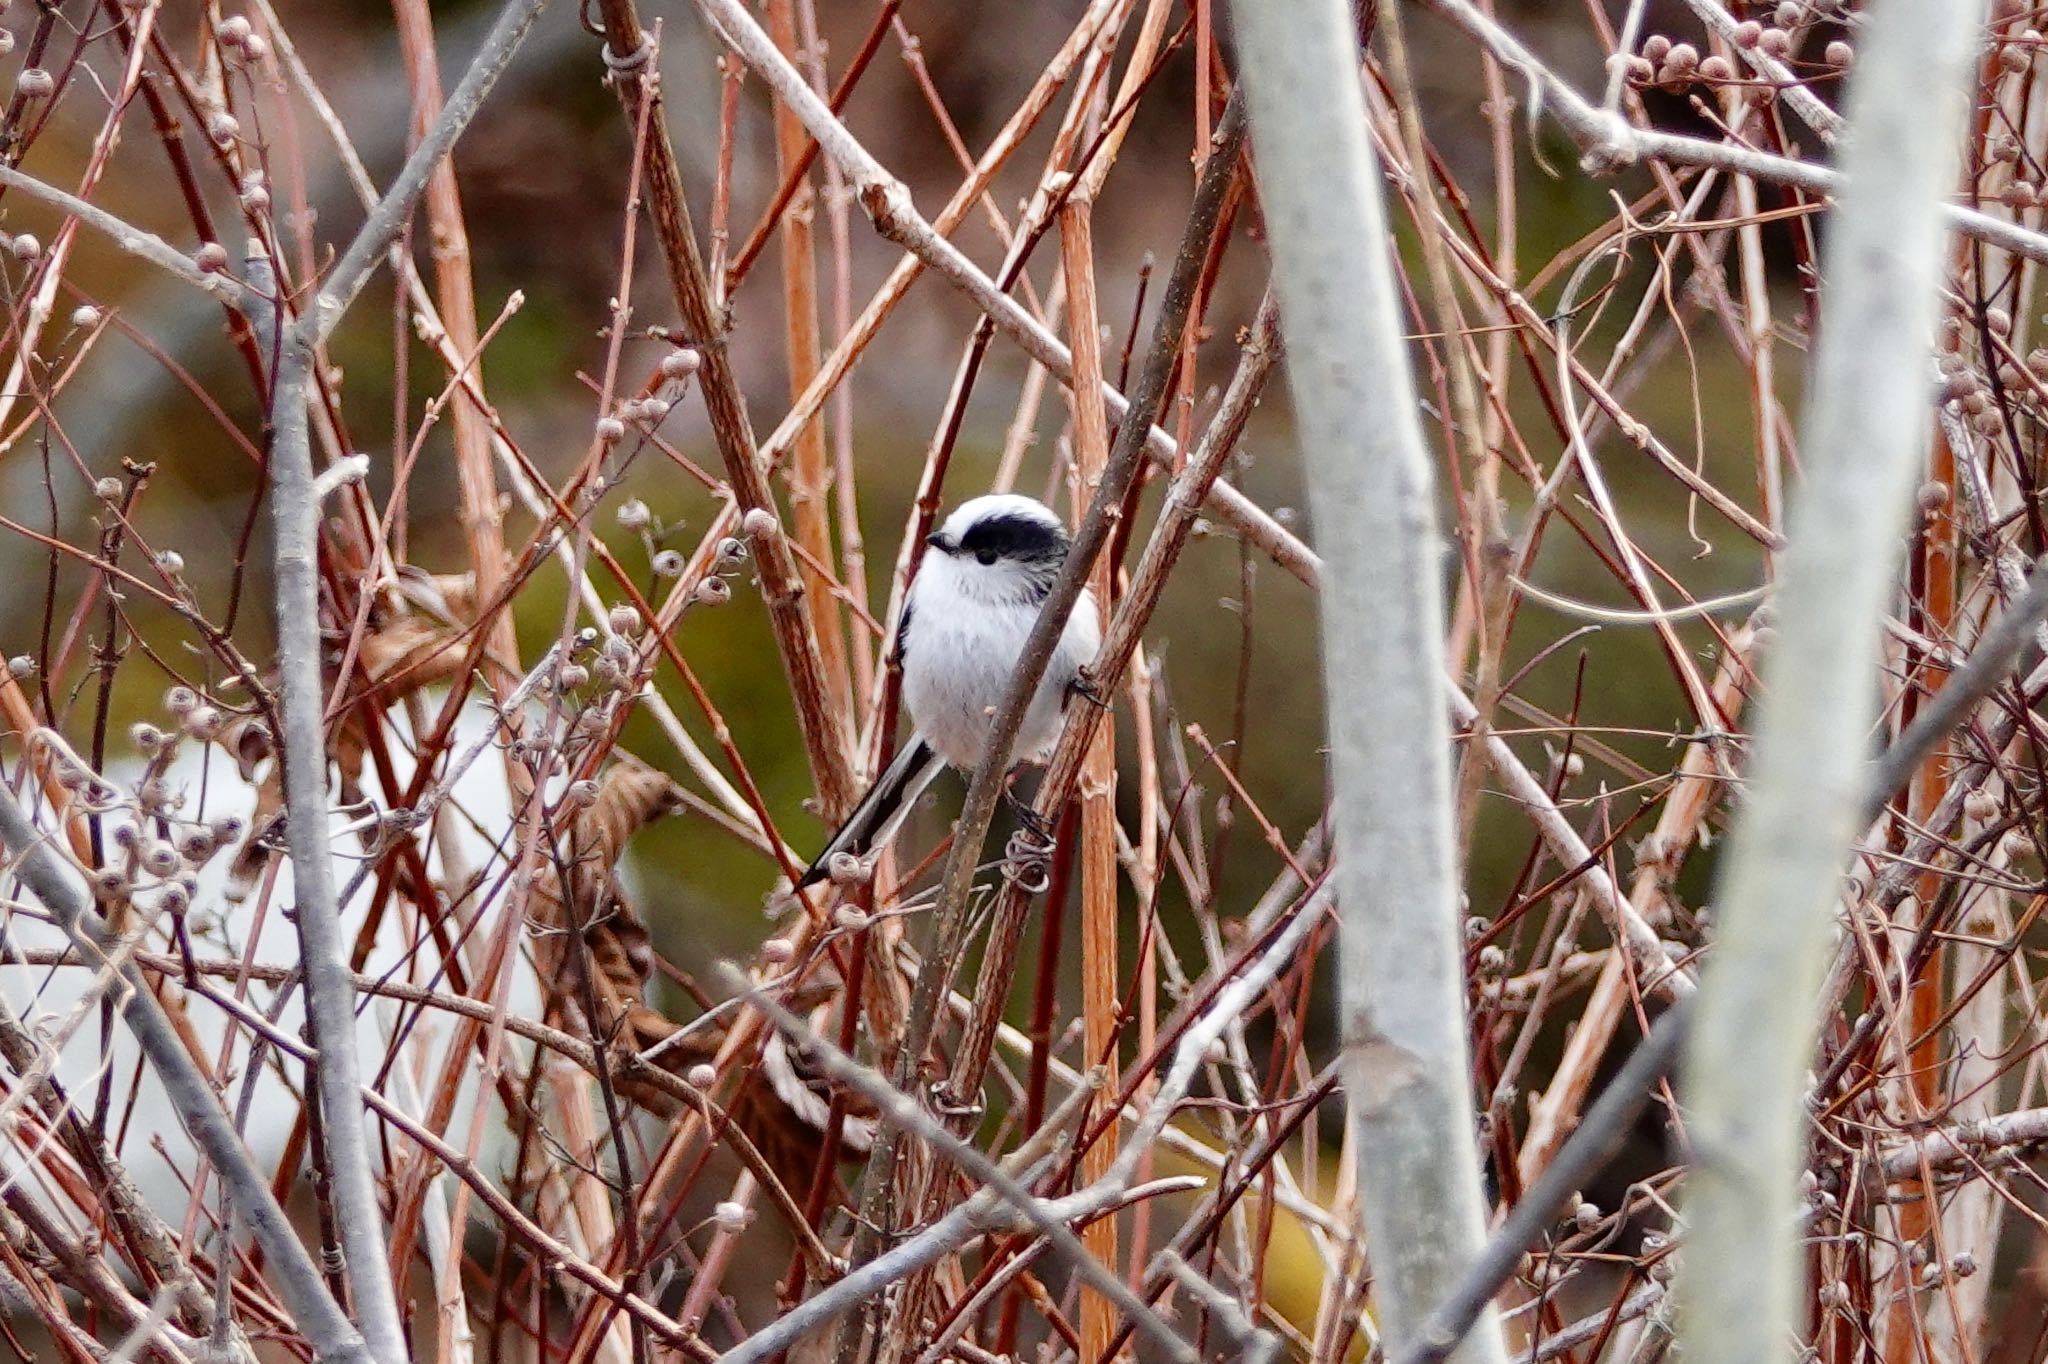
(960,652)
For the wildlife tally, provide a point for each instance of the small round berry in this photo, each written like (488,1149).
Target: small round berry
(713,591)
(211,258)
(1841,54)
(623,620)
(610,430)
(35,83)
(668,563)
(680,364)
(107,489)
(26,247)
(759,522)
(703,1075)
(85,317)
(633,515)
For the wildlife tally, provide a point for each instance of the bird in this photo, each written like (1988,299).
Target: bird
(970,608)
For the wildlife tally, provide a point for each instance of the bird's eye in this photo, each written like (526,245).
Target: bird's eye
(987,556)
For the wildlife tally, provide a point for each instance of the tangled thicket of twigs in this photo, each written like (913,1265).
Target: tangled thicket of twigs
(334,1028)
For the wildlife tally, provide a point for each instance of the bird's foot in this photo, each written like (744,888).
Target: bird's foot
(1088,689)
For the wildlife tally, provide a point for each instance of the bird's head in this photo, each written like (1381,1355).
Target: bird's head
(1000,548)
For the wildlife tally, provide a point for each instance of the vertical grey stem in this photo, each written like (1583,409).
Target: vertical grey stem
(295,514)
(320,1319)
(1371,490)
(1867,426)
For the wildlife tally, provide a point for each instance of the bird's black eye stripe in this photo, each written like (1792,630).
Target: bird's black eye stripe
(1023,538)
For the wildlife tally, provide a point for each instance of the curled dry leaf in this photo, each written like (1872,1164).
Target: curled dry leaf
(786,1113)
(401,653)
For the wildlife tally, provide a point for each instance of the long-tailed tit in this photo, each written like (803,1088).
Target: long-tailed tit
(971,607)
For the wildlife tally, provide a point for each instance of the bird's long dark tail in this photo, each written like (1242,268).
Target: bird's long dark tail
(875,820)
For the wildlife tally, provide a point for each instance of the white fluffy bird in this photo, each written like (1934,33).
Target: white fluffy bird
(971,607)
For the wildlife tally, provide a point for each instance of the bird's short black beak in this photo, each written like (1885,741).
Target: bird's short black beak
(939,541)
